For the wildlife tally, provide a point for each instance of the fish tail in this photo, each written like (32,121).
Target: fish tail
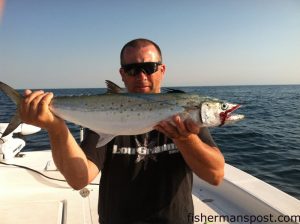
(16,98)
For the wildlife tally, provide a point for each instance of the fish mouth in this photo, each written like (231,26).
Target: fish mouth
(228,117)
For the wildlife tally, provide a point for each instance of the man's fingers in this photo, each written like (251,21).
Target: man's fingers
(180,126)
(26,103)
(160,129)
(28,99)
(27,92)
(35,103)
(177,128)
(23,107)
(192,126)
(45,101)
(168,129)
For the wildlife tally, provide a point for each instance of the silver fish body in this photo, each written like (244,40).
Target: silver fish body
(125,114)
(112,114)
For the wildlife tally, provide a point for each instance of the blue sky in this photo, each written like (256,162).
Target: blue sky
(65,44)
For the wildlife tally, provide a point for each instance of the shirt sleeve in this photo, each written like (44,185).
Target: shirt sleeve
(89,147)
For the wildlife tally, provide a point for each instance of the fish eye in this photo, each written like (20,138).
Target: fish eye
(224,106)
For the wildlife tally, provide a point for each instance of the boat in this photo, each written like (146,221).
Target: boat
(10,145)
(33,191)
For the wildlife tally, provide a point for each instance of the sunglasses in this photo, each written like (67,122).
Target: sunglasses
(147,68)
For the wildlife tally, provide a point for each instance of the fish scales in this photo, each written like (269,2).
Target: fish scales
(122,113)
(113,114)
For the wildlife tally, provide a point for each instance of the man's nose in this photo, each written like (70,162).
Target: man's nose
(141,75)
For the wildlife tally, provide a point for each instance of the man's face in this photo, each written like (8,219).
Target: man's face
(141,82)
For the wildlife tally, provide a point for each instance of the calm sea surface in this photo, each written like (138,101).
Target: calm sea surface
(266,144)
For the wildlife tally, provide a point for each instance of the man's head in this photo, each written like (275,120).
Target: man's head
(141,66)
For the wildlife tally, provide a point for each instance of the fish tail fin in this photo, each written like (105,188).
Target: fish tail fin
(16,97)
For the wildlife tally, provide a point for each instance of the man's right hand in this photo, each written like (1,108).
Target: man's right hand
(34,109)
(70,160)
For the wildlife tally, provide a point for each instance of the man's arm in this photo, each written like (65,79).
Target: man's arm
(67,155)
(205,160)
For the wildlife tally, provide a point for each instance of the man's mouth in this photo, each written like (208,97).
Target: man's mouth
(142,87)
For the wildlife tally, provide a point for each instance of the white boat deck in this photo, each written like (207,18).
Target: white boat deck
(28,197)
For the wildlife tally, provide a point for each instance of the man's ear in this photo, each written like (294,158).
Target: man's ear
(122,73)
(163,70)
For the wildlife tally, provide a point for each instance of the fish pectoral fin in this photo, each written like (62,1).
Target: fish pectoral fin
(104,139)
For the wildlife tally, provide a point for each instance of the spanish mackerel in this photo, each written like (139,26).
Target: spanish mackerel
(118,113)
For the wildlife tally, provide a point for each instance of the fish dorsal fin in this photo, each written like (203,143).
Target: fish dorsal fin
(170,90)
(114,88)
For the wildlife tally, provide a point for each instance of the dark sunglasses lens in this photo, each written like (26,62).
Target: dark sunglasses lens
(130,72)
(134,69)
(149,68)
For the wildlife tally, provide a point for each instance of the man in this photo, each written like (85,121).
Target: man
(150,181)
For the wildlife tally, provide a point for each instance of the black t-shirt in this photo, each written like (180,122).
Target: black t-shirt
(144,179)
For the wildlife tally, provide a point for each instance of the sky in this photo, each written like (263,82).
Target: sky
(76,44)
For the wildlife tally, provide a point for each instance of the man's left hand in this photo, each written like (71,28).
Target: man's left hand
(177,129)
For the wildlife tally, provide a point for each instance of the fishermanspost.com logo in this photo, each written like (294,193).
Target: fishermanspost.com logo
(269,218)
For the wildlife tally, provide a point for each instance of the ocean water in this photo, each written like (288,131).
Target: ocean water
(266,144)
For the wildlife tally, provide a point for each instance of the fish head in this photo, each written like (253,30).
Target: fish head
(218,113)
